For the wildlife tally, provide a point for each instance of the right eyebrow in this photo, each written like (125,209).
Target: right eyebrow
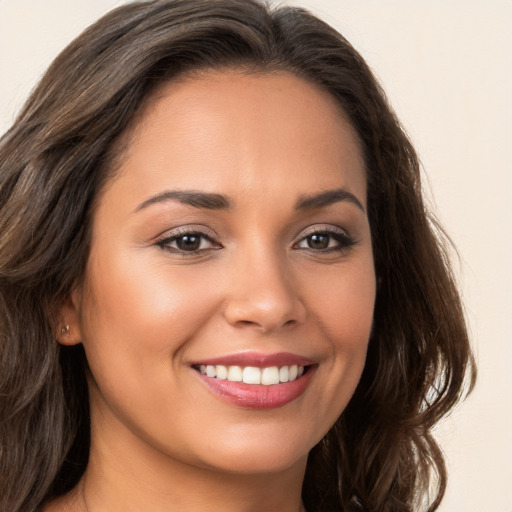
(206,200)
(327,198)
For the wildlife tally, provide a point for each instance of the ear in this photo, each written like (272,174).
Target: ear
(68,320)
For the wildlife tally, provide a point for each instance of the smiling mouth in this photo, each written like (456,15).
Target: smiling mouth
(257,381)
(266,376)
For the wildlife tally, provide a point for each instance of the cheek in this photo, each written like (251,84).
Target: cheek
(343,305)
(343,301)
(137,320)
(140,307)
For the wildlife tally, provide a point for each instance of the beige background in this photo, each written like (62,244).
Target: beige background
(447,67)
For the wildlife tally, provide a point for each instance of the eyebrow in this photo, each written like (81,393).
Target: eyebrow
(212,201)
(205,200)
(327,198)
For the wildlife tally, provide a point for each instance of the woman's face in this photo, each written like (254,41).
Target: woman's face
(233,243)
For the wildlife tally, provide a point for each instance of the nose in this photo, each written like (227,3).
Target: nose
(263,295)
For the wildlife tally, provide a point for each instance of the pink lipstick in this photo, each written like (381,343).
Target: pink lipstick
(257,381)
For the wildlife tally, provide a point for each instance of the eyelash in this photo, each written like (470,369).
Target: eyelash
(342,239)
(165,243)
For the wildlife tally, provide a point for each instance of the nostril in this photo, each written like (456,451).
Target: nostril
(266,325)
(246,323)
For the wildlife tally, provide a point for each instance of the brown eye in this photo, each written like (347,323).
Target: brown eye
(318,241)
(188,242)
(326,241)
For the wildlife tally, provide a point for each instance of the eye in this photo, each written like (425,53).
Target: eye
(188,242)
(326,240)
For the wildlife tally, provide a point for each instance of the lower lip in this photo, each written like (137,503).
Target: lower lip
(254,396)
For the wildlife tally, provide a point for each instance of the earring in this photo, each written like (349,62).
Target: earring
(65,331)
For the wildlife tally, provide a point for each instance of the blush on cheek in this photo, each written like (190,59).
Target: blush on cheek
(349,318)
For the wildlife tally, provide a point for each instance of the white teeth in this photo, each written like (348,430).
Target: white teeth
(270,376)
(222,372)
(235,374)
(253,375)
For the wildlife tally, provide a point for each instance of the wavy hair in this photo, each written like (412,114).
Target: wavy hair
(380,456)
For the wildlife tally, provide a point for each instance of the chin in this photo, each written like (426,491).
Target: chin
(272,454)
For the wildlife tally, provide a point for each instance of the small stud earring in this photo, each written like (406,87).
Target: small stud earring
(65,330)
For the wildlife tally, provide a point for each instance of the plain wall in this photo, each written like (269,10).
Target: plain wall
(447,68)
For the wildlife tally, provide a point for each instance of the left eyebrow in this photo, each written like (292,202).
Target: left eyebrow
(327,198)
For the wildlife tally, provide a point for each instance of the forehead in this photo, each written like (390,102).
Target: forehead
(242,130)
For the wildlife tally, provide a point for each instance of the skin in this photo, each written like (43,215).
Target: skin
(161,440)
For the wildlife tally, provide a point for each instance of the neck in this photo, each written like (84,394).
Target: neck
(189,490)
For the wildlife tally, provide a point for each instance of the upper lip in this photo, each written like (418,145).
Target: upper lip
(257,360)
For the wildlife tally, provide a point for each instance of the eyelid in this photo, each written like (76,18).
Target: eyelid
(321,228)
(186,230)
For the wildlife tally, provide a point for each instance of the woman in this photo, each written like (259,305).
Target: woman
(220,288)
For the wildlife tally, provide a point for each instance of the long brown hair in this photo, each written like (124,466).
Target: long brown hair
(380,455)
